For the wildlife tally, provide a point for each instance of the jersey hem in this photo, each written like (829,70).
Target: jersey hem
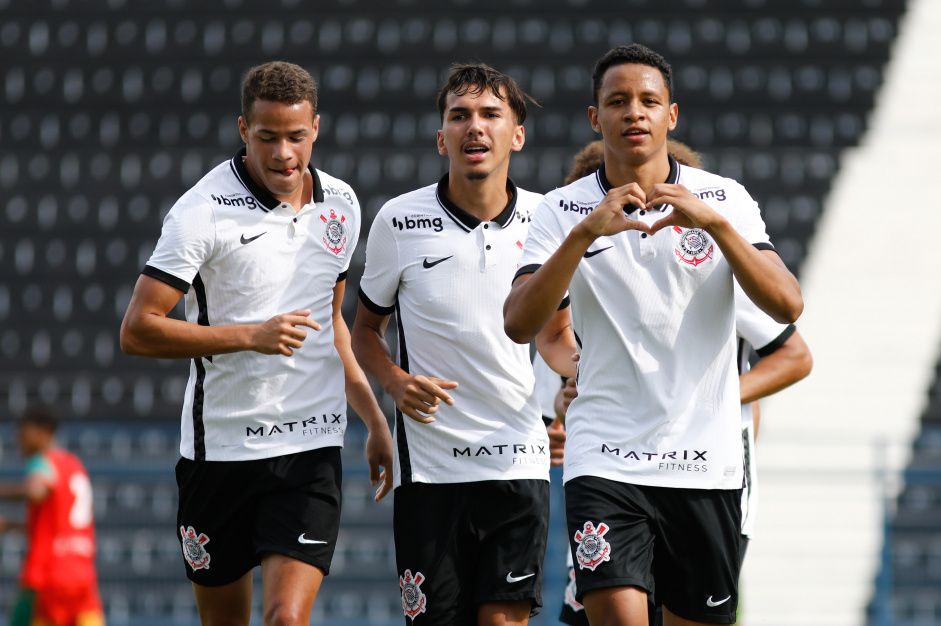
(165,277)
(257,455)
(472,478)
(378,309)
(724,483)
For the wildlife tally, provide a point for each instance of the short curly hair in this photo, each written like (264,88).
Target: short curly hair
(634,53)
(278,81)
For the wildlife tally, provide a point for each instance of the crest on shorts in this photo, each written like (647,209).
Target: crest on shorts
(592,550)
(694,246)
(413,600)
(334,233)
(194,548)
(570,593)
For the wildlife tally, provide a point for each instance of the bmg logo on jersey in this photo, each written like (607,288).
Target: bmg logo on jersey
(706,194)
(574,207)
(235,199)
(412,222)
(333,191)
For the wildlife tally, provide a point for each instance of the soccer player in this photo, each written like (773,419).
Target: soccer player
(647,250)
(785,359)
(260,248)
(471,459)
(58,584)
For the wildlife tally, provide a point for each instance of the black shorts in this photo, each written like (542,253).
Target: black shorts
(684,544)
(231,512)
(460,545)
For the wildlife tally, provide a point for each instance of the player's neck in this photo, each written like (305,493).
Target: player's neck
(484,198)
(646,173)
(301,196)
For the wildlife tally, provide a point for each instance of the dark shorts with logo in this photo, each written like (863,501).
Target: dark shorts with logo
(460,545)
(681,544)
(232,512)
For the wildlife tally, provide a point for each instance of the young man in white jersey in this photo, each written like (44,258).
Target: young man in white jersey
(784,360)
(647,250)
(472,455)
(260,248)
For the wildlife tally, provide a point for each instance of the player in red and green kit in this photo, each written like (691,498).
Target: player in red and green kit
(58,583)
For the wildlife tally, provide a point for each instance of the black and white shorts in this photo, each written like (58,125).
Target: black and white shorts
(232,512)
(461,545)
(682,544)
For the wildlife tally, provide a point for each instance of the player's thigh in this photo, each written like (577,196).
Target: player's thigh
(434,557)
(510,520)
(611,535)
(217,501)
(616,606)
(697,559)
(509,613)
(225,605)
(299,515)
(289,588)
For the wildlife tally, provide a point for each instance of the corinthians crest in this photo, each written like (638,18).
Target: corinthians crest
(413,600)
(194,548)
(592,550)
(694,246)
(334,234)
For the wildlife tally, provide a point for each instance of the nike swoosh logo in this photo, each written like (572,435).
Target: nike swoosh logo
(592,253)
(250,239)
(302,539)
(429,264)
(709,602)
(510,578)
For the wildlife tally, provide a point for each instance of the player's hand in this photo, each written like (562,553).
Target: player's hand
(556,432)
(419,396)
(568,393)
(688,210)
(609,218)
(379,455)
(284,333)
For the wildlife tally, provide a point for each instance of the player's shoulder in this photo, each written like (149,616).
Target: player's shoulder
(578,198)
(220,187)
(334,188)
(527,202)
(423,200)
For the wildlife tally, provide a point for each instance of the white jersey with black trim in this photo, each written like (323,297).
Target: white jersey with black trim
(659,400)
(445,275)
(242,257)
(755,330)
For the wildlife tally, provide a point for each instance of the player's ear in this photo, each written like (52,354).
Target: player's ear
(593,118)
(519,138)
(442,149)
(243,129)
(315,128)
(674,111)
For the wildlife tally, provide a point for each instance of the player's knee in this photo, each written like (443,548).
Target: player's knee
(285,614)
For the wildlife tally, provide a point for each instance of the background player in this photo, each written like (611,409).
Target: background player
(472,459)
(58,584)
(658,469)
(260,250)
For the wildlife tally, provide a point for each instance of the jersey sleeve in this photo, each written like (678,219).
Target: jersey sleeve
(186,242)
(380,282)
(756,327)
(544,238)
(40,468)
(747,221)
(353,237)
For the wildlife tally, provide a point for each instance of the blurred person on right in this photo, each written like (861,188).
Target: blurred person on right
(58,583)
(654,458)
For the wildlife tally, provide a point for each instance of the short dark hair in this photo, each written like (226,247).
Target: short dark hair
(474,78)
(39,415)
(278,81)
(634,53)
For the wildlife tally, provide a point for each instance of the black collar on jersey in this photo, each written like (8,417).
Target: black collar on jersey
(671,179)
(261,194)
(467,221)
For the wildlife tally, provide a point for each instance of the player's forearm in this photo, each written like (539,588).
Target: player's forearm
(161,337)
(535,297)
(779,370)
(373,354)
(558,350)
(358,392)
(768,284)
